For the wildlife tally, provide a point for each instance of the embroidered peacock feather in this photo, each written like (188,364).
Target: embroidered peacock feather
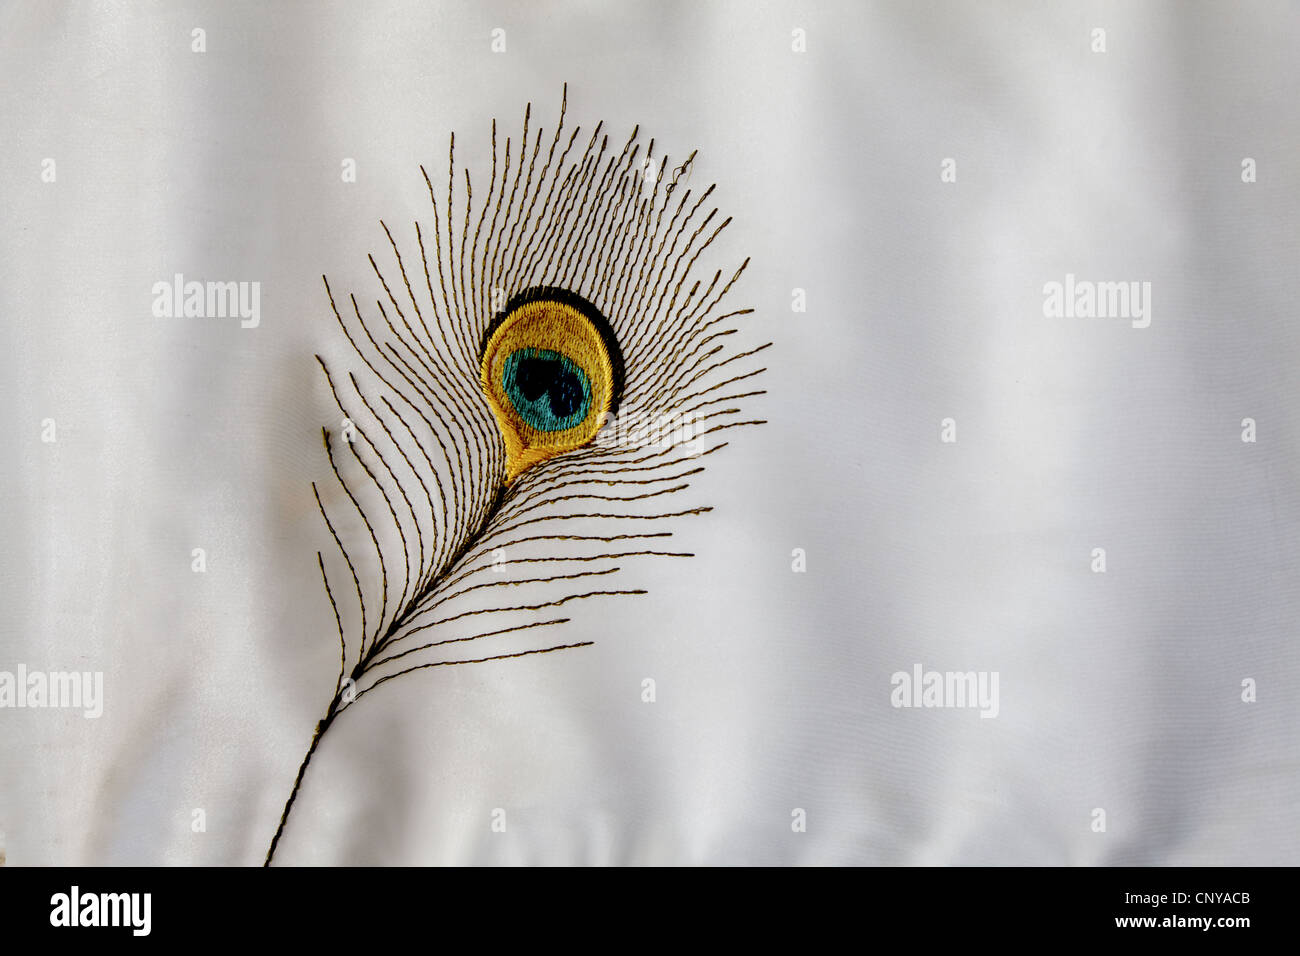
(544,372)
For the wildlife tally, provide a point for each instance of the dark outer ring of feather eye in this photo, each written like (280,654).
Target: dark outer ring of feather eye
(587,310)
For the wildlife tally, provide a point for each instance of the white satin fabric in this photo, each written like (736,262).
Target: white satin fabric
(1118,691)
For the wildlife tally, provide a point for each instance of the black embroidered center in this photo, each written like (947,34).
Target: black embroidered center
(536,376)
(548,389)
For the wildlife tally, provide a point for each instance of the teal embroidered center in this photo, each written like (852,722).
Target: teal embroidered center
(548,389)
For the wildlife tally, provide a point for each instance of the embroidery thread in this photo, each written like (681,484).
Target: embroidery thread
(553,366)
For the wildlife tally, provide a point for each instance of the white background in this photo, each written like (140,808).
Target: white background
(1119,691)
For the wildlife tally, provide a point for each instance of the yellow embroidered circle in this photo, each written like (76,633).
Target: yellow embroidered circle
(552,372)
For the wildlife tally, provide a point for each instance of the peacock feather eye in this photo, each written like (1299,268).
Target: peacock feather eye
(552,372)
